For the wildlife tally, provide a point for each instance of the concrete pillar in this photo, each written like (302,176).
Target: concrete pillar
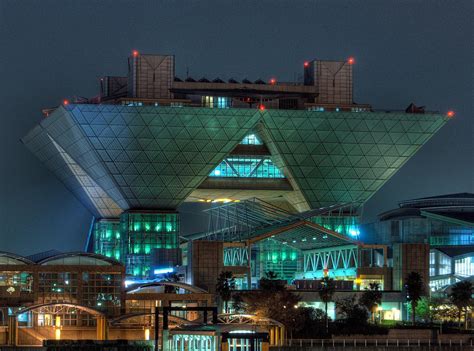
(102,328)
(276,336)
(282,336)
(12,331)
(225,346)
(272,336)
(165,343)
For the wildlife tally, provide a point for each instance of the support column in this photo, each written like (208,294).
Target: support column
(276,336)
(102,328)
(272,335)
(165,340)
(265,346)
(225,345)
(12,331)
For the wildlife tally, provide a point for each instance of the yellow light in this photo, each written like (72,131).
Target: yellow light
(147,333)
(58,322)
(379,308)
(358,281)
(208,200)
(224,200)
(57,333)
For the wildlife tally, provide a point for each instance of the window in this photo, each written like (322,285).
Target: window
(247,167)
(216,101)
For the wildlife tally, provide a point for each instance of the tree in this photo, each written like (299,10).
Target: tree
(371,298)
(352,312)
(461,297)
(271,282)
(415,289)
(225,285)
(281,305)
(238,305)
(326,292)
(172,278)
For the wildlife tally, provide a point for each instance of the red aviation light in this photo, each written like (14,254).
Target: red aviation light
(65,102)
(351,60)
(306,64)
(450,114)
(273,81)
(135,53)
(261,107)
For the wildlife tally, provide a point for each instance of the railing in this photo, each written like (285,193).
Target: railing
(374,342)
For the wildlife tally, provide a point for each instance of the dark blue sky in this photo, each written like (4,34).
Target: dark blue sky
(413,50)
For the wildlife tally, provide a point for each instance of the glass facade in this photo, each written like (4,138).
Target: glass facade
(145,233)
(57,287)
(19,281)
(251,139)
(102,291)
(270,255)
(107,239)
(346,225)
(216,101)
(247,167)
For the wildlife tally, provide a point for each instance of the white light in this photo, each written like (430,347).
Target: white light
(217,172)
(163,270)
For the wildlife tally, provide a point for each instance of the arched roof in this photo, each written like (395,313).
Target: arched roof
(177,320)
(81,259)
(87,309)
(184,286)
(7,258)
(238,318)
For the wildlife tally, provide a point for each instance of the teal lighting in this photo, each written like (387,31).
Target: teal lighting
(247,167)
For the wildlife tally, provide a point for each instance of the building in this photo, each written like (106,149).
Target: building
(443,224)
(151,141)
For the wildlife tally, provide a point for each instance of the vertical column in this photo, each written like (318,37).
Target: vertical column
(102,328)
(12,331)
(272,335)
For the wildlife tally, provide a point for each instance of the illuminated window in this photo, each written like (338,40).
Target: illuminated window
(251,139)
(216,102)
(247,167)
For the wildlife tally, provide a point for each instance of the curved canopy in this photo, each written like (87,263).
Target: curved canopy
(175,319)
(237,318)
(80,259)
(135,289)
(7,258)
(87,309)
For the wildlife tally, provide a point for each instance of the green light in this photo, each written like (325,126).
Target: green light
(169,227)
(147,249)
(117,235)
(136,227)
(147,227)
(293,256)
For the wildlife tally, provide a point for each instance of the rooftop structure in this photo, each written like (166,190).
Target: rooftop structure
(151,141)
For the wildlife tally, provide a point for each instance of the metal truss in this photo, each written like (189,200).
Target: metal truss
(236,256)
(339,257)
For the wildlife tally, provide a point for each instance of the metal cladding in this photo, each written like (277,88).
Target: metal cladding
(116,158)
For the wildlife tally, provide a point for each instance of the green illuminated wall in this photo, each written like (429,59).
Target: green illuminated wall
(271,255)
(144,233)
(347,225)
(107,239)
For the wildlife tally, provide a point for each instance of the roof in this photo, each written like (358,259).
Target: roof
(54,257)
(43,255)
(114,157)
(255,220)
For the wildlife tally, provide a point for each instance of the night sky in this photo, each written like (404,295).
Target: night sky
(406,51)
